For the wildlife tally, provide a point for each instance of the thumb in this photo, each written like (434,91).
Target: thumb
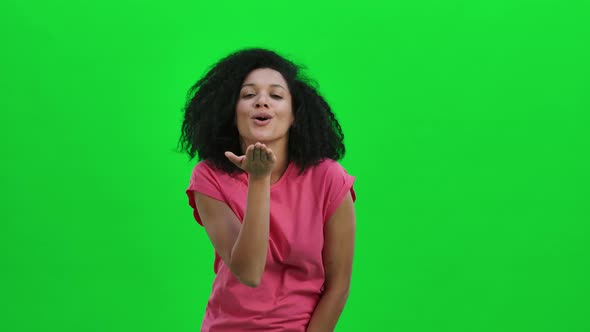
(233,158)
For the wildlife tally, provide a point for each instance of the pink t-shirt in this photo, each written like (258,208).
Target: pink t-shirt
(293,278)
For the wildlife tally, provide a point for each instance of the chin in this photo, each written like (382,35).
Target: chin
(262,137)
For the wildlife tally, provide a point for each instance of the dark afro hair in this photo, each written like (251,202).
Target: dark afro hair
(208,128)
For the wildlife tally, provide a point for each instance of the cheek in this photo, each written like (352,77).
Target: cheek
(240,108)
(290,117)
(241,112)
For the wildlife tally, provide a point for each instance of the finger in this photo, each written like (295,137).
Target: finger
(264,153)
(230,155)
(257,149)
(237,160)
(270,156)
(250,153)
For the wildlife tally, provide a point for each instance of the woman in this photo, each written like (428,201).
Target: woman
(274,201)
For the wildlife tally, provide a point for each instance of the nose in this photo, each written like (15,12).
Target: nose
(261,102)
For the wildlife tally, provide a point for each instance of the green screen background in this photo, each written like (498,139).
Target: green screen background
(466,126)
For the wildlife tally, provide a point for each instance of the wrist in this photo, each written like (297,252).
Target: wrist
(262,179)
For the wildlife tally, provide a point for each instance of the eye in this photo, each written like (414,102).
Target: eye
(277,97)
(248,95)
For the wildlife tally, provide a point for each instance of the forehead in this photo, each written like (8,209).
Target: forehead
(265,76)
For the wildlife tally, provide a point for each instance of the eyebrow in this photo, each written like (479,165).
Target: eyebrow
(272,85)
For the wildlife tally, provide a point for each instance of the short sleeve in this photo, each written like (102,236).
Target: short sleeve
(204,180)
(338,184)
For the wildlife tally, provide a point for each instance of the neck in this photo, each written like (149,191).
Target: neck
(281,164)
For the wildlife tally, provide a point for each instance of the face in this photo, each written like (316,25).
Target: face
(263,111)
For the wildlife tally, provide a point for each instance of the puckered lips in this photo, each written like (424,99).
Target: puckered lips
(261,118)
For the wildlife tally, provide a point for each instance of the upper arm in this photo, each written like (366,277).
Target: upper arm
(339,235)
(220,223)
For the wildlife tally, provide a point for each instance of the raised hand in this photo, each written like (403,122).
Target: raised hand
(258,160)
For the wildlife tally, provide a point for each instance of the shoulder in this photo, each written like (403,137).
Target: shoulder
(330,177)
(333,183)
(203,171)
(204,167)
(329,168)
(206,177)
(207,169)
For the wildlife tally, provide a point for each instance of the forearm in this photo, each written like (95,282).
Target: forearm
(248,256)
(328,310)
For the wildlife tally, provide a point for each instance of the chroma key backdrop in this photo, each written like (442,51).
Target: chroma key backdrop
(466,126)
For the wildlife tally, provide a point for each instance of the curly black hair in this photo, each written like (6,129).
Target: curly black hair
(208,128)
